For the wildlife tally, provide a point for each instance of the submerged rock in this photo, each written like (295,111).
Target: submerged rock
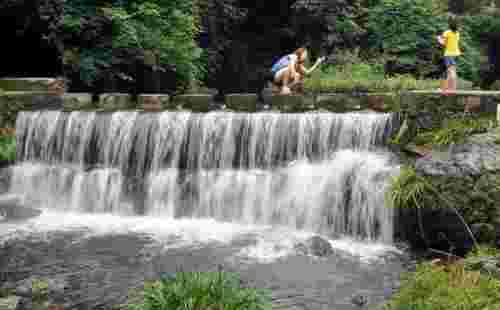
(11,208)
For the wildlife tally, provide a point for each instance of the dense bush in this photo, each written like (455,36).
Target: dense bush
(163,32)
(407,30)
(200,291)
(166,28)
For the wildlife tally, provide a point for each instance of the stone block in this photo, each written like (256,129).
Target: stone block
(383,102)
(242,102)
(340,103)
(13,102)
(77,101)
(25,84)
(193,102)
(292,103)
(154,102)
(116,101)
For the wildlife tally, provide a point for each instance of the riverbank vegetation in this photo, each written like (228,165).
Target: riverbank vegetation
(455,131)
(200,291)
(464,284)
(401,51)
(7,145)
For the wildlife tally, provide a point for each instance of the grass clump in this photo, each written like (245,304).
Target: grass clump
(445,287)
(7,145)
(351,73)
(40,289)
(456,131)
(201,291)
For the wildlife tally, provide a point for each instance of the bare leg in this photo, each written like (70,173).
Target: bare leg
(285,90)
(452,78)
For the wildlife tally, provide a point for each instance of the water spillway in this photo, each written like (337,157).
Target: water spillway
(319,172)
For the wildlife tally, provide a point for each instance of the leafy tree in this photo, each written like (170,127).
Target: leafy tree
(165,28)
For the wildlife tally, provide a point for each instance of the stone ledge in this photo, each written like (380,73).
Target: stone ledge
(153,102)
(25,84)
(116,101)
(193,102)
(242,102)
(77,101)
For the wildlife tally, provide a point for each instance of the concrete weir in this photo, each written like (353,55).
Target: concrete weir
(18,94)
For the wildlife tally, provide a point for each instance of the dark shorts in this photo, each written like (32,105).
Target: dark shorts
(450,61)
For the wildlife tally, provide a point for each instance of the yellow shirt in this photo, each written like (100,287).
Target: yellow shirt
(451,43)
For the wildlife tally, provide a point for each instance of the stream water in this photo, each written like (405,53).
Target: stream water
(128,196)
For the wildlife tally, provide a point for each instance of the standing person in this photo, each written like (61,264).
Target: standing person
(449,40)
(289,71)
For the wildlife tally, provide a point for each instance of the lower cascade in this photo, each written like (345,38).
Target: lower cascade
(318,172)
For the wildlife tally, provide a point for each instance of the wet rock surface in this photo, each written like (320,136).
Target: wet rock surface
(316,246)
(480,153)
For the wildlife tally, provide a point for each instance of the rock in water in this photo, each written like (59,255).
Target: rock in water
(359,300)
(11,208)
(316,246)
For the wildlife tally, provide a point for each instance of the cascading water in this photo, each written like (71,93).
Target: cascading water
(317,172)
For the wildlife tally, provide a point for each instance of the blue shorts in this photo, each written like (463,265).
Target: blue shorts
(450,61)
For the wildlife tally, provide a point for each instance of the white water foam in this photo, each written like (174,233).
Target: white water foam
(267,244)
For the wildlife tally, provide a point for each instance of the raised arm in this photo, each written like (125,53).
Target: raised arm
(305,71)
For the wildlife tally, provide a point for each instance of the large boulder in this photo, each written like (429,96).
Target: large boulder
(316,246)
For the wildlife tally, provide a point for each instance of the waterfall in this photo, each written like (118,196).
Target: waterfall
(320,172)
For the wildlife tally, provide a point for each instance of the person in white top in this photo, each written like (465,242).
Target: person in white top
(290,71)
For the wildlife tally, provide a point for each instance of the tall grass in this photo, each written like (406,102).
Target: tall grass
(201,291)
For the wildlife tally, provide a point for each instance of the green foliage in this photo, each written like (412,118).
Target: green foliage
(408,189)
(407,29)
(201,291)
(166,28)
(7,148)
(482,251)
(352,84)
(446,287)
(40,289)
(455,131)
(163,29)
(352,73)
(91,62)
